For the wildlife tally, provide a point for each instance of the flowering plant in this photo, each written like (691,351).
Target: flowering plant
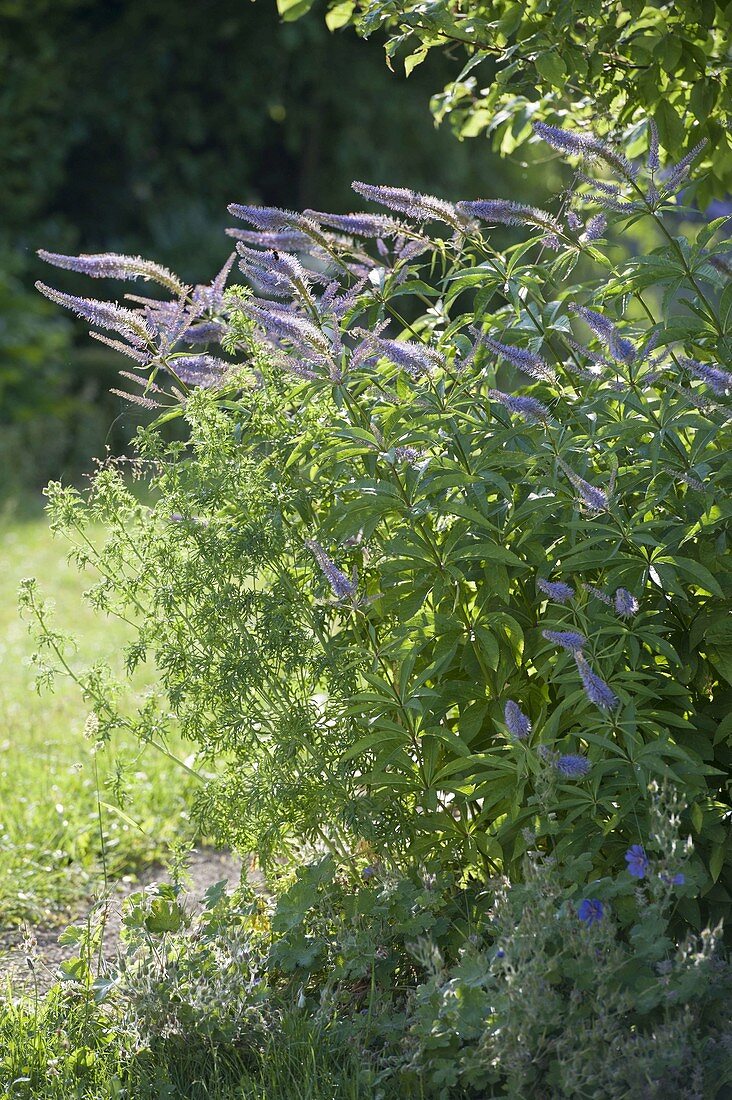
(445,555)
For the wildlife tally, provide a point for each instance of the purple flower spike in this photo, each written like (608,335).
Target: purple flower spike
(584,145)
(596,227)
(653,158)
(637,860)
(405,201)
(415,358)
(556,590)
(626,604)
(527,407)
(517,723)
(361,225)
(596,690)
(112,265)
(605,330)
(343,589)
(597,593)
(591,911)
(572,765)
(568,639)
(506,212)
(718,380)
(527,361)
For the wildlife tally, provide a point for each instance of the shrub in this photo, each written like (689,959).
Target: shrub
(445,557)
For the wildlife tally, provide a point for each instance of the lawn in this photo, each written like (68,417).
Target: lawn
(61,821)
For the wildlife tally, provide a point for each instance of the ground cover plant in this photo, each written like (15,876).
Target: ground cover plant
(440,582)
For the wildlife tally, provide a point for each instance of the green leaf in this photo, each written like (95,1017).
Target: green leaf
(716,860)
(670,127)
(290,10)
(339,15)
(413,60)
(552,68)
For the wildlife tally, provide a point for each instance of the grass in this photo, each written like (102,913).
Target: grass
(51,779)
(54,841)
(60,1049)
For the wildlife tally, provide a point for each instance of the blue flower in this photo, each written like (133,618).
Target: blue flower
(718,380)
(674,880)
(527,407)
(521,358)
(637,860)
(555,590)
(572,765)
(568,639)
(517,723)
(412,203)
(626,604)
(596,690)
(590,911)
(341,586)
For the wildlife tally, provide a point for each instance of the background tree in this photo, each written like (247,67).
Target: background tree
(589,61)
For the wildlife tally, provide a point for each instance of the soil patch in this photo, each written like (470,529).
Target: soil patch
(30,957)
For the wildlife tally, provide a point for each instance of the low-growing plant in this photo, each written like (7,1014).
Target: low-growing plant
(445,556)
(542,988)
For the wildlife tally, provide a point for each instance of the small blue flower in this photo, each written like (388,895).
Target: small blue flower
(637,860)
(626,604)
(555,590)
(674,880)
(595,688)
(518,724)
(568,639)
(500,953)
(591,911)
(572,765)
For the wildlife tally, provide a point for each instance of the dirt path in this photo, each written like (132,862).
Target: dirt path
(205,867)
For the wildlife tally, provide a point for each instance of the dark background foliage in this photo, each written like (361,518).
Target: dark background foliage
(130,124)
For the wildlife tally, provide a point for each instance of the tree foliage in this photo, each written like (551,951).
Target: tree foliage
(589,61)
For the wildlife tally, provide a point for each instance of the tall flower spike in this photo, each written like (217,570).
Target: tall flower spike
(585,145)
(597,593)
(415,358)
(507,212)
(572,765)
(284,240)
(272,219)
(653,161)
(111,265)
(415,205)
(527,361)
(626,605)
(341,586)
(718,380)
(279,323)
(518,724)
(678,174)
(596,690)
(527,407)
(557,591)
(361,225)
(595,228)
(620,348)
(568,639)
(204,371)
(125,321)
(595,499)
